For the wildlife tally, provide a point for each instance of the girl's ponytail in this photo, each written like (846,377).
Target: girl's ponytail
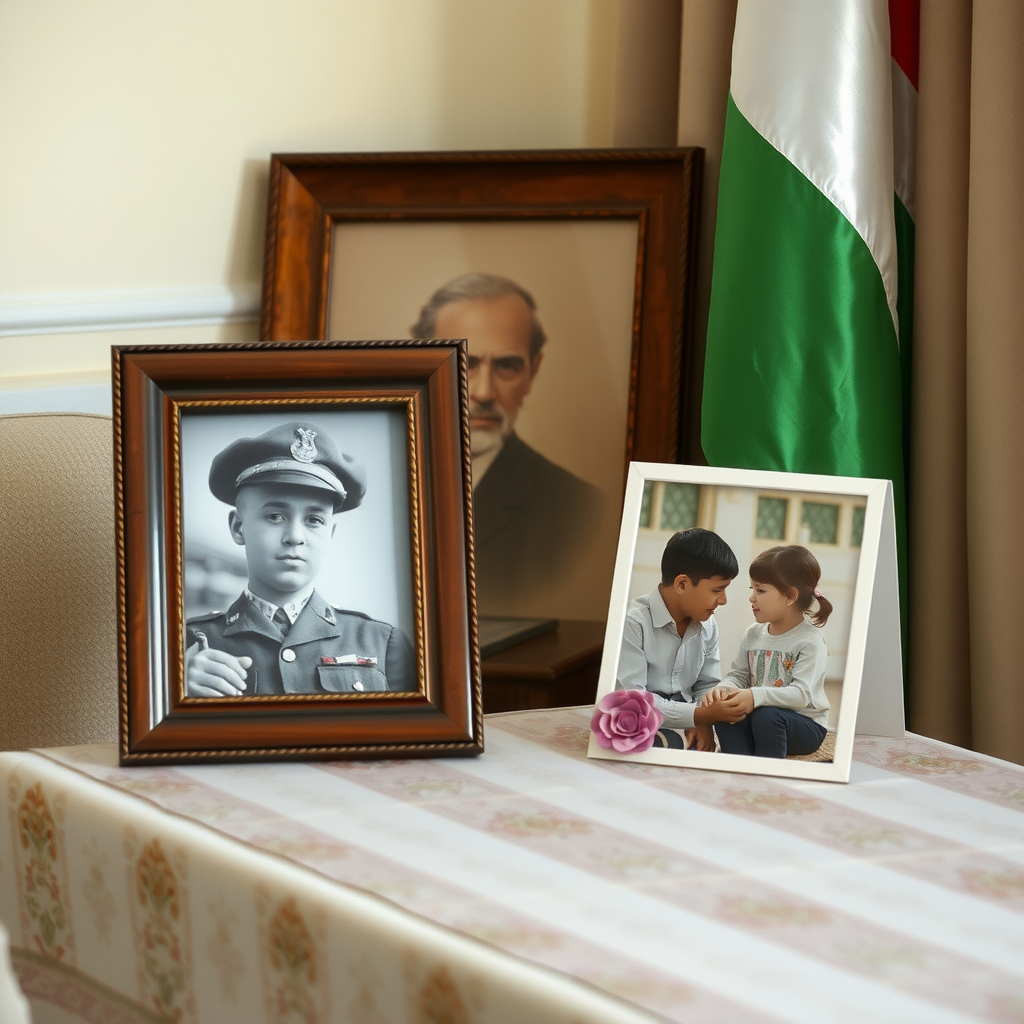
(824,610)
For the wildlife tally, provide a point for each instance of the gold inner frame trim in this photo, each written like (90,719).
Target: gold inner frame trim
(383,398)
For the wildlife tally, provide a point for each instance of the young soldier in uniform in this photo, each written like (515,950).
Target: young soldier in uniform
(281,636)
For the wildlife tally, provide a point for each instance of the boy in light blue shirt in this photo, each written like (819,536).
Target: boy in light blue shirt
(670,637)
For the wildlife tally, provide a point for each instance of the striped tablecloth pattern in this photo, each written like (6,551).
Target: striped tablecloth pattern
(527,884)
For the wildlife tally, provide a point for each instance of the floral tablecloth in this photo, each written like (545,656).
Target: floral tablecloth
(530,884)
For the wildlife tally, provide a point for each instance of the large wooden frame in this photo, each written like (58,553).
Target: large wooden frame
(658,189)
(153,385)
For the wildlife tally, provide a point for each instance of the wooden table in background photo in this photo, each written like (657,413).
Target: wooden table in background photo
(557,669)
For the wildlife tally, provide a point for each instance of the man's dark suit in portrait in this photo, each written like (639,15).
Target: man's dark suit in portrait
(533,519)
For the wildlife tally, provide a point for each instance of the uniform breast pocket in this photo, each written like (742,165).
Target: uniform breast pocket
(351,678)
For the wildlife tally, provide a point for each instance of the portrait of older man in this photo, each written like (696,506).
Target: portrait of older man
(533,518)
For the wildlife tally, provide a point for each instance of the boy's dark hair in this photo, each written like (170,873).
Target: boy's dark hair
(697,554)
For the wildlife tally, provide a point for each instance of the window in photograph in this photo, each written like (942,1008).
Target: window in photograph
(857,527)
(646,504)
(679,506)
(771,518)
(821,521)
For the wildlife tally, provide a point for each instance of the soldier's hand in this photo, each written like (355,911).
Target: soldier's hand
(213,673)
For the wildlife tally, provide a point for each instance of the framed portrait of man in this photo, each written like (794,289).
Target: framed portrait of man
(570,275)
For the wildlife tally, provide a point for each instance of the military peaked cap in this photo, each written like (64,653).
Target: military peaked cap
(297,453)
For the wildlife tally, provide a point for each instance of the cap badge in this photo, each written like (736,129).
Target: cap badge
(303,449)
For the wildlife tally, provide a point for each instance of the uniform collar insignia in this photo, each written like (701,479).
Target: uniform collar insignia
(318,623)
(244,617)
(292,609)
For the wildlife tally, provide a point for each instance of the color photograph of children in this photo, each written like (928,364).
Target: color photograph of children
(738,618)
(297,553)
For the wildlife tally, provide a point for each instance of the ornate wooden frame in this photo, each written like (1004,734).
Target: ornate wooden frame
(159,723)
(660,189)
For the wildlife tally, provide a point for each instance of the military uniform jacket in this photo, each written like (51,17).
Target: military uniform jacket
(327,649)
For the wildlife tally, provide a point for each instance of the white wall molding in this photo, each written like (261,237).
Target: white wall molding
(76,312)
(94,398)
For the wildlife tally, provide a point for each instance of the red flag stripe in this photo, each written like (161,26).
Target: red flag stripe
(905,32)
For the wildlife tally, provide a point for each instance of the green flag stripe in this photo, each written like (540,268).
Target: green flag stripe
(803,369)
(905,231)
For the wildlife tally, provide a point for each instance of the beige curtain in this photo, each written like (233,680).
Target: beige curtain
(688,110)
(994,421)
(966,680)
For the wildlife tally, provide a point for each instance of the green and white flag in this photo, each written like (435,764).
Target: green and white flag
(803,366)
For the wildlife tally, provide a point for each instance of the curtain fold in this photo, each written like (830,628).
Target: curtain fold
(646,104)
(646,73)
(995,375)
(704,65)
(966,683)
(939,688)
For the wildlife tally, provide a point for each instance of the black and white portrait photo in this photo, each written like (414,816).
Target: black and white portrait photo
(297,551)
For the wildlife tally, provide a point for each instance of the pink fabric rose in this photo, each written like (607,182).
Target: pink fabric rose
(625,721)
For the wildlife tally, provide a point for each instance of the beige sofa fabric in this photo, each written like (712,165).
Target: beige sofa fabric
(58,638)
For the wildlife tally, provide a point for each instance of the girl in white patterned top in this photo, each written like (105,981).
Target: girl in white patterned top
(778,676)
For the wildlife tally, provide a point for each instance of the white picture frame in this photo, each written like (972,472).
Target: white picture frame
(871,678)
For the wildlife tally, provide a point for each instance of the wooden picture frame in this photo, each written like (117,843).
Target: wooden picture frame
(324,207)
(406,402)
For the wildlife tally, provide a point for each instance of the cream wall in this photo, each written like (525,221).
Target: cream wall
(135,141)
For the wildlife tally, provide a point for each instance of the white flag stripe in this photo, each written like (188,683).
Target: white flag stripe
(867,889)
(904,130)
(568,899)
(813,78)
